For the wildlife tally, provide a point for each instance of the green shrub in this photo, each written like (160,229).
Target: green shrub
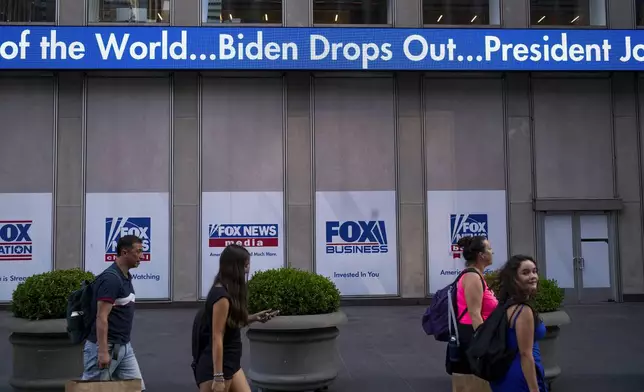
(492,280)
(549,296)
(292,292)
(44,296)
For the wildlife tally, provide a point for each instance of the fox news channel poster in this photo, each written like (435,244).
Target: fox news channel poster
(254,220)
(452,215)
(25,238)
(109,216)
(356,241)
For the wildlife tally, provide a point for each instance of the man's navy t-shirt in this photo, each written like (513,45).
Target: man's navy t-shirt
(116,289)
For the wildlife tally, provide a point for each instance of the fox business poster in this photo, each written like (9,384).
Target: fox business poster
(25,238)
(254,220)
(452,215)
(355,241)
(110,216)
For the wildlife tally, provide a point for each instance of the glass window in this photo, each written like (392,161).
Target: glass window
(353,12)
(241,11)
(568,12)
(639,4)
(129,11)
(461,12)
(24,11)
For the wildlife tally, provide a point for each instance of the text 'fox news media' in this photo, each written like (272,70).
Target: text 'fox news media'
(317,48)
(260,236)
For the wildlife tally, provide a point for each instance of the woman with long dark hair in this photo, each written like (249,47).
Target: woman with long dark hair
(519,280)
(218,367)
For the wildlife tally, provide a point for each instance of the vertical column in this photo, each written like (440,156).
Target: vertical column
(188,12)
(299,147)
(185,189)
(621,14)
(521,225)
(629,182)
(72,12)
(411,200)
(408,13)
(516,14)
(297,13)
(68,232)
(69,172)
(299,171)
(186,166)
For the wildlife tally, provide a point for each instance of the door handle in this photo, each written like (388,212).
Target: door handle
(578,263)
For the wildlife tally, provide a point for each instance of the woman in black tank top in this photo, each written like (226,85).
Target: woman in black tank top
(218,368)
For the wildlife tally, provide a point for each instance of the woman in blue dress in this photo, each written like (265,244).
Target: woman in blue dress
(519,279)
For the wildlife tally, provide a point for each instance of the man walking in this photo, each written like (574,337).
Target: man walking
(108,354)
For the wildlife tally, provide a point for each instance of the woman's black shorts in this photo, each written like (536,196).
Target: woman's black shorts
(204,369)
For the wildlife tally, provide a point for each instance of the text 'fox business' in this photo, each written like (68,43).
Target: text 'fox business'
(351,237)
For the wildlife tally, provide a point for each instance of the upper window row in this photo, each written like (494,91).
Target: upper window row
(351,12)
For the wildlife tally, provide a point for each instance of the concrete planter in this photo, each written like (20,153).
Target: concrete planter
(548,346)
(43,357)
(295,353)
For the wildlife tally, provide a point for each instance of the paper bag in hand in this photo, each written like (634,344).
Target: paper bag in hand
(103,386)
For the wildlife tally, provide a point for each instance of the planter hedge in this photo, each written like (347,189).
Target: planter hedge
(43,357)
(296,351)
(44,296)
(292,291)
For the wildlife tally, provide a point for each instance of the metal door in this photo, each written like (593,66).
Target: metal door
(577,251)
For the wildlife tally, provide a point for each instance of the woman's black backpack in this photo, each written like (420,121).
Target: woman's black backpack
(489,356)
(200,336)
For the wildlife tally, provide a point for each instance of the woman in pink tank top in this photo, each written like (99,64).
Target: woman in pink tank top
(475,302)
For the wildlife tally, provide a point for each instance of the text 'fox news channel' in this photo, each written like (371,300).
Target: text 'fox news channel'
(117,227)
(317,48)
(16,245)
(15,241)
(12,279)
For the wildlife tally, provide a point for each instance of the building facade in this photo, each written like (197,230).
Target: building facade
(366,176)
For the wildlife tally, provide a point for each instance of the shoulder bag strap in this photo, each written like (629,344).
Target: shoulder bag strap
(473,270)
(515,314)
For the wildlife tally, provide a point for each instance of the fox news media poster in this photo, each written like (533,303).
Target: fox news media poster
(25,238)
(355,241)
(254,220)
(109,216)
(452,215)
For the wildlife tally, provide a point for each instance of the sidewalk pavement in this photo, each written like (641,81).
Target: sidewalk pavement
(383,349)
